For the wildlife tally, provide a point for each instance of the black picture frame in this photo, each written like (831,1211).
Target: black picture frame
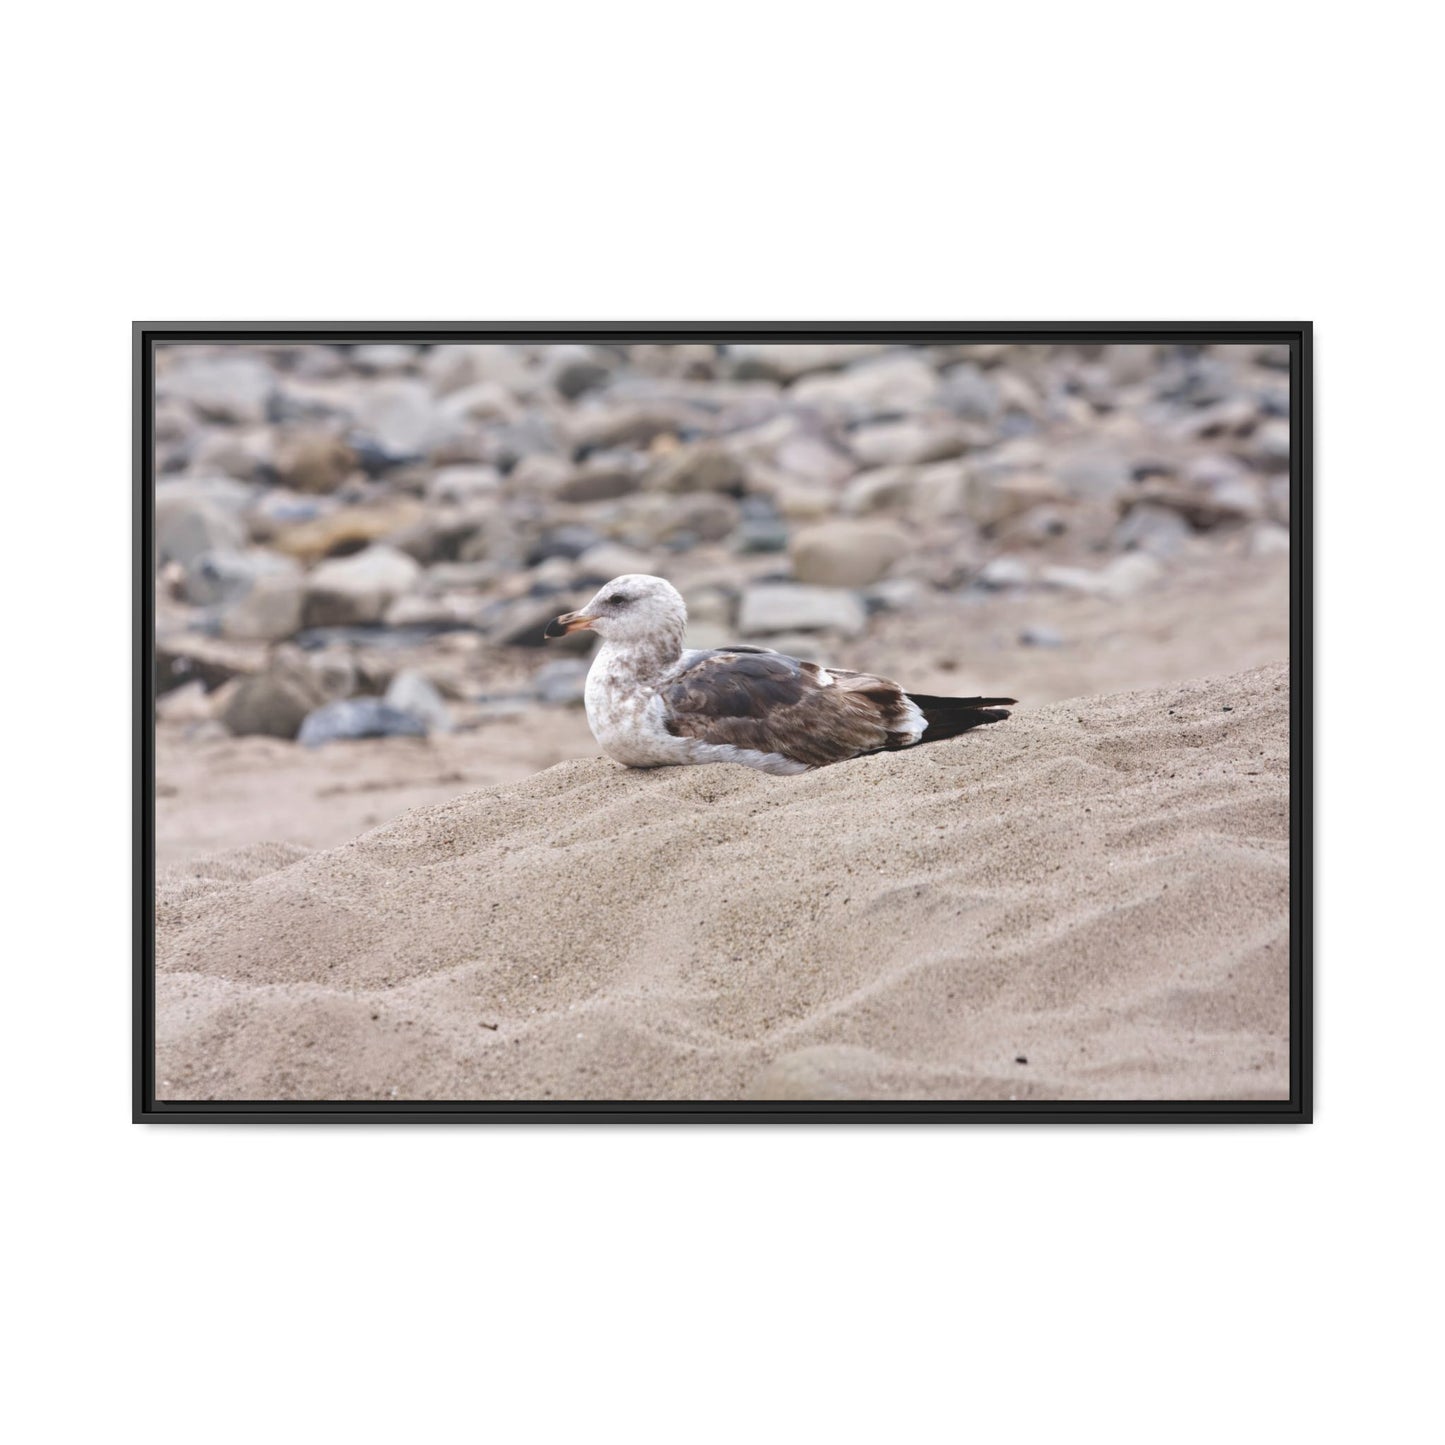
(1298,1108)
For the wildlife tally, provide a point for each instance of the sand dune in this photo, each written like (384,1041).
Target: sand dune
(1098,888)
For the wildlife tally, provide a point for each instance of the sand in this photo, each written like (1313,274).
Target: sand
(1089,901)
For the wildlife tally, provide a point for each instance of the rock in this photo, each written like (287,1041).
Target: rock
(896,594)
(1094,475)
(357,590)
(463,486)
(911,441)
(1235,417)
(605,560)
(414,693)
(539,474)
(1004,572)
(450,369)
(1148,527)
(1277,499)
(603,477)
(188,658)
(781,607)
(1041,636)
(357,717)
(270,611)
(761,534)
(382,356)
(244,455)
(847,554)
(1270,446)
(1267,539)
(347,529)
(970,394)
(902,382)
(562,681)
(189,703)
(1122,578)
(402,419)
(705,517)
(1130,574)
(570,541)
(996,498)
(276,702)
(575,370)
(702,468)
(314,463)
(600,428)
(814,459)
(230,388)
(487,401)
(224,575)
(788,360)
(188,527)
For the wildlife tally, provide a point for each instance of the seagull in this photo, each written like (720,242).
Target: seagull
(653,703)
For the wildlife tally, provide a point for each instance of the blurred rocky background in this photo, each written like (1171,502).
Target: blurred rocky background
(358,547)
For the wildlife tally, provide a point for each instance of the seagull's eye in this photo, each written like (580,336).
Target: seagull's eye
(617,600)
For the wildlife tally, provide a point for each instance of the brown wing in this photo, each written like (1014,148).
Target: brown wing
(770,703)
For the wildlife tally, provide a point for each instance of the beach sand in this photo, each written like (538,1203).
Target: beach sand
(1089,901)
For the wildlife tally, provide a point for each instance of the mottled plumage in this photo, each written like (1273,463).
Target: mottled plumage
(651,703)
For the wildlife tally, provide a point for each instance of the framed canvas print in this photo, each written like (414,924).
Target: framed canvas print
(771,722)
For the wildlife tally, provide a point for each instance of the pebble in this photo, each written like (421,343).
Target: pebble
(772,608)
(357,717)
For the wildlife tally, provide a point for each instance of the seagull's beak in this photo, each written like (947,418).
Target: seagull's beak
(568,622)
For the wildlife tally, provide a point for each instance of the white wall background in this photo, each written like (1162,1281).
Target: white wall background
(747,161)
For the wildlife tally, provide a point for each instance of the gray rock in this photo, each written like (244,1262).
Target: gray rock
(561,681)
(968,393)
(224,575)
(1094,475)
(575,370)
(568,541)
(1148,527)
(402,418)
(901,382)
(230,388)
(382,356)
(897,594)
(606,560)
(356,590)
(540,474)
(414,693)
(782,607)
(1004,572)
(187,528)
(847,554)
(761,534)
(1040,635)
(1270,446)
(269,611)
(603,477)
(788,360)
(1267,539)
(357,717)
(463,485)
(909,442)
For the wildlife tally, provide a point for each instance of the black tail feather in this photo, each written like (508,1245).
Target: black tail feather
(947,717)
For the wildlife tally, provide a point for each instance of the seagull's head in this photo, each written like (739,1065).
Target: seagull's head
(632,608)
